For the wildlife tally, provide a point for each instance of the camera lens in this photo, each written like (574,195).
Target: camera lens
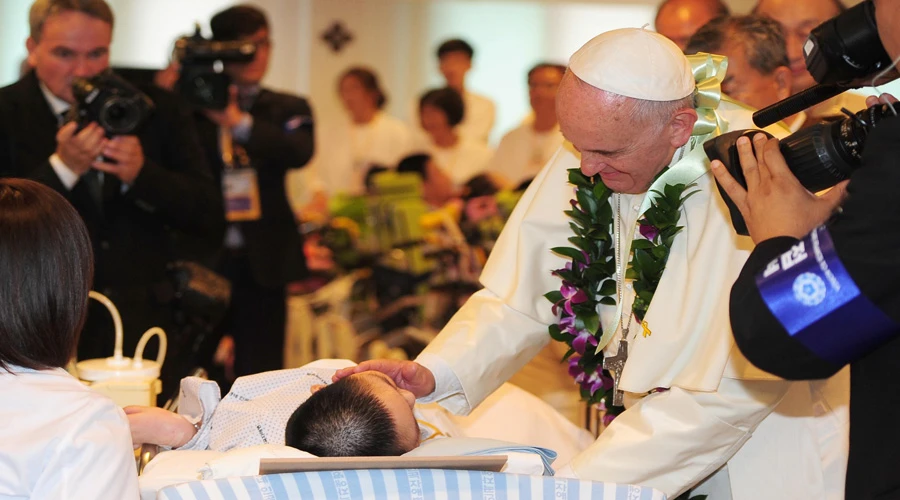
(119,116)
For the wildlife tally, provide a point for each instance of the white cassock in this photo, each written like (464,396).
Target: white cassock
(783,440)
(463,161)
(60,439)
(523,152)
(345,151)
(478,119)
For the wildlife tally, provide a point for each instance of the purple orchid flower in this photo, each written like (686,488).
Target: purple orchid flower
(567,324)
(571,295)
(593,383)
(581,341)
(649,231)
(575,370)
(608,418)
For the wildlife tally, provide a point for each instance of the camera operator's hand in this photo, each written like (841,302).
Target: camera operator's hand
(79,150)
(229,117)
(873,100)
(127,157)
(774,203)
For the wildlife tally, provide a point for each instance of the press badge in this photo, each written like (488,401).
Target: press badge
(815,299)
(240,189)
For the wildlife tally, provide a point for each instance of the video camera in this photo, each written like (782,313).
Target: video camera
(202,80)
(110,101)
(842,53)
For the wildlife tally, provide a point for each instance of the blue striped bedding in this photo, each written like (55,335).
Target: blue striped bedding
(412,484)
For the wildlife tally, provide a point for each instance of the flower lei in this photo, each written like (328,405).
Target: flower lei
(588,279)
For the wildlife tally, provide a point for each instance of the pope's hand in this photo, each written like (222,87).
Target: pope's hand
(157,426)
(408,375)
(774,203)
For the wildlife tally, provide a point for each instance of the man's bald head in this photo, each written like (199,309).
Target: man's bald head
(677,20)
(797,19)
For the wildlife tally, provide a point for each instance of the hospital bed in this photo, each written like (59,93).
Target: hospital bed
(404,484)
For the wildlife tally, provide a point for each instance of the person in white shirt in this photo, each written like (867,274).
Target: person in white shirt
(524,150)
(461,157)
(366,137)
(759,72)
(455,60)
(59,439)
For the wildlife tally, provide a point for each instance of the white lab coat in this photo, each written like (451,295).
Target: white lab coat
(60,440)
(522,152)
(669,440)
(345,151)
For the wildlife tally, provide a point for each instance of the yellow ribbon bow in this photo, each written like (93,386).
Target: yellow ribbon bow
(709,72)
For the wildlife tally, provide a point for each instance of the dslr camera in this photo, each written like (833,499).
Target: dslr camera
(110,101)
(202,80)
(839,53)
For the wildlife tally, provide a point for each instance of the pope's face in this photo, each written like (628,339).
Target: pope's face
(797,19)
(747,84)
(625,153)
(71,45)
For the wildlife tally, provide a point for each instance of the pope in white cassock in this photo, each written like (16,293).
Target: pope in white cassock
(693,403)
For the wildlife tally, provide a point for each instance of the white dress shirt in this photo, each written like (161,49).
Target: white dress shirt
(523,152)
(60,440)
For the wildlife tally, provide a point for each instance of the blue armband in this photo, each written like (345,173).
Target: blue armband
(814,298)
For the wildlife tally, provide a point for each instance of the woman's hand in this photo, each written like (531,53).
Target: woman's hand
(157,426)
(408,375)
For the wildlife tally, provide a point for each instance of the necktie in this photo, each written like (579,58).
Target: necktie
(94,185)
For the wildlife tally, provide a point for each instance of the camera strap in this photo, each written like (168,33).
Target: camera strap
(815,299)
(240,184)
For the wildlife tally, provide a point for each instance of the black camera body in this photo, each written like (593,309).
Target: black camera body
(202,80)
(839,52)
(110,101)
(819,156)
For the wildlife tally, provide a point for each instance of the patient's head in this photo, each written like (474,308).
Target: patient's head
(365,414)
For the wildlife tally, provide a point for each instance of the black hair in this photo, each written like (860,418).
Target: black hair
(369,80)
(546,65)
(370,176)
(344,419)
(448,100)
(478,186)
(46,271)
(759,37)
(455,45)
(416,164)
(235,23)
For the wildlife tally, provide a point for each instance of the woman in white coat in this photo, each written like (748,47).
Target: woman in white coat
(59,439)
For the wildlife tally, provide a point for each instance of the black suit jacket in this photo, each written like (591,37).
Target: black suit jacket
(174,192)
(281,139)
(867,238)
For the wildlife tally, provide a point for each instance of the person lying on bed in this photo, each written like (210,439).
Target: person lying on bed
(366,415)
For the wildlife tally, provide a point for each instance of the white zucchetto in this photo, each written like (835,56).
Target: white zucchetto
(634,62)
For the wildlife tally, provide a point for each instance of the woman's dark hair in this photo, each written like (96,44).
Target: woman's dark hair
(478,186)
(416,164)
(369,80)
(344,419)
(447,100)
(46,271)
(235,23)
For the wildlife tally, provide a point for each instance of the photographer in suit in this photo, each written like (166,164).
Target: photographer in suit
(853,314)
(132,191)
(271,132)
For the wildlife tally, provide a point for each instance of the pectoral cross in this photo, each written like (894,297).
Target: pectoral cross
(615,364)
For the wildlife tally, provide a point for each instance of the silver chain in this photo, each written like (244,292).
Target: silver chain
(620,276)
